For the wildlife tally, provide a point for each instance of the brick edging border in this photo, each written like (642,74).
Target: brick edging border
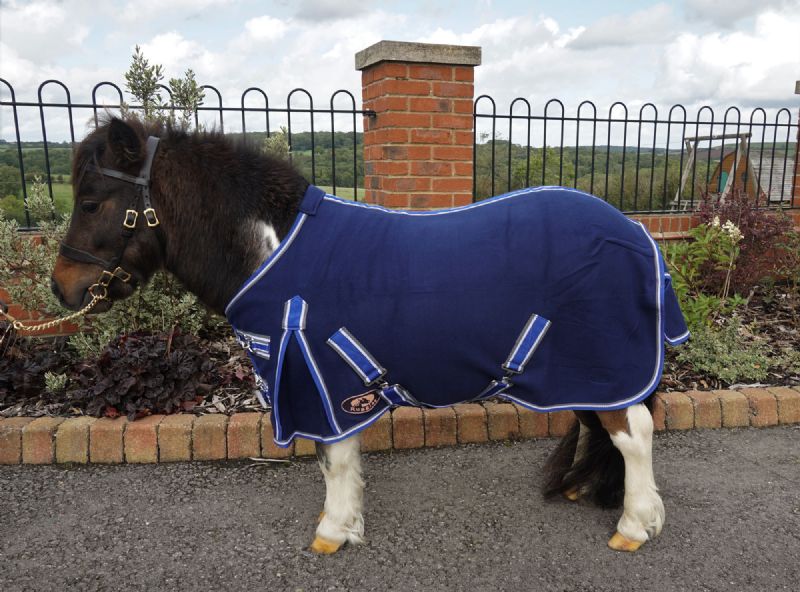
(168,438)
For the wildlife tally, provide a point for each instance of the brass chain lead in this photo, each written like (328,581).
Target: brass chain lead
(34,326)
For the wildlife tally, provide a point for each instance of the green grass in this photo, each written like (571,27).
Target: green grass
(62,193)
(13,206)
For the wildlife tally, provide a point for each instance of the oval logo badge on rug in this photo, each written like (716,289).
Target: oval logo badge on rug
(363,403)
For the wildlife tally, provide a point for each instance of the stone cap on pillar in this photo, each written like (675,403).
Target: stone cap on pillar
(423,53)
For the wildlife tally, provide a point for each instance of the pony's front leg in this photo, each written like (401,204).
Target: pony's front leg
(341,520)
(631,432)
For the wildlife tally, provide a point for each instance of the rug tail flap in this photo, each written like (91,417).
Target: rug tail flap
(675,329)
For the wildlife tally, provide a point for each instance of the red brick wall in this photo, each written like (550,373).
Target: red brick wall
(17,311)
(21,314)
(668,226)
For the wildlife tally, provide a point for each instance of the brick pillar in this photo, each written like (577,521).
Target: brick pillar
(418,148)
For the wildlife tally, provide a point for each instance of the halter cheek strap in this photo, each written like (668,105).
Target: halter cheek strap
(111,268)
(143,185)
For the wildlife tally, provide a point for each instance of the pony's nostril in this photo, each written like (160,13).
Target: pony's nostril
(54,288)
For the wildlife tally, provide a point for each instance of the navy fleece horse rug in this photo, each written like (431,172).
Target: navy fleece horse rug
(548,297)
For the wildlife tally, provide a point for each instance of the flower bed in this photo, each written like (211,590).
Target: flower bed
(738,280)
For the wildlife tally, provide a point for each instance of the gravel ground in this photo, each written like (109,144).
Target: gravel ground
(466,518)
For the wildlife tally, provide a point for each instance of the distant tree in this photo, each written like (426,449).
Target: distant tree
(9,181)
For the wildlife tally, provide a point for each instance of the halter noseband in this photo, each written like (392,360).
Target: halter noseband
(111,268)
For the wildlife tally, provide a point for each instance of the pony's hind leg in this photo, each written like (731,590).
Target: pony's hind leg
(581,449)
(341,520)
(575,467)
(631,432)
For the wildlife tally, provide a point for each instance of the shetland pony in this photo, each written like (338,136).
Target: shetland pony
(218,214)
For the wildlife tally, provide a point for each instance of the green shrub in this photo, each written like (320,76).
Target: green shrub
(788,260)
(55,382)
(277,144)
(142,81)
(25,264)
(790,359)
(159,307)
(761,231)
(712,249)
(727,352)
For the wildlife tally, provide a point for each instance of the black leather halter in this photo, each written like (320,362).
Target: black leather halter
(111,267)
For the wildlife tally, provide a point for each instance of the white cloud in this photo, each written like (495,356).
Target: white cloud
(318,56)
(648,55)
(326,10)
(177,54)
(26,76)
(508,32)
(532,58)
(79,35)
(654,24)
(734,68)
(19,71)
(171,50)
(266,28)
(153,10)
(727,14)
(32,27)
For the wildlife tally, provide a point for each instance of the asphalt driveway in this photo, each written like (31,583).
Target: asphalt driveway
(466,518)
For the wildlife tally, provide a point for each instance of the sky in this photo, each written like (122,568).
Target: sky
(729,52)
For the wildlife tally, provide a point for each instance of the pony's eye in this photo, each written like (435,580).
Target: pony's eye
(90,207)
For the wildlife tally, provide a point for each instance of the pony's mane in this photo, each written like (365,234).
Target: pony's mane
(92,147)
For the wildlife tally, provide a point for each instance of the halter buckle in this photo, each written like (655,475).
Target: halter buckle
(106,277)
(121,275)
(150,216)
(130,219)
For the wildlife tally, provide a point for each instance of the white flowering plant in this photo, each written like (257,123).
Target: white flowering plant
(711,249)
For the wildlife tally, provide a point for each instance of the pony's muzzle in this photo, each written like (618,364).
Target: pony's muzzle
(70,282)
(57,291)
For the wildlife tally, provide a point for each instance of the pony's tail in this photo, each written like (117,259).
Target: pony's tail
(599,476)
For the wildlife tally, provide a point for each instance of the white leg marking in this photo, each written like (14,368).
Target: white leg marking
(643,513)
(341,467)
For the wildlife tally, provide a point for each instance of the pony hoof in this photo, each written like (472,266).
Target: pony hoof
(572,495)
(324,546)
(620,542)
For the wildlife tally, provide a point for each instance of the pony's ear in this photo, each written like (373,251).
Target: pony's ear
(123,142)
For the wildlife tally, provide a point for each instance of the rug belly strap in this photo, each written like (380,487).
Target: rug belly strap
(356,356)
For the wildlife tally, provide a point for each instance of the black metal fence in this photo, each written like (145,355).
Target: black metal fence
(324,142)
(639,163)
